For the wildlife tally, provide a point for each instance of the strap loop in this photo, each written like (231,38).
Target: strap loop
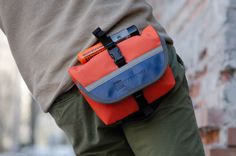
(143,103)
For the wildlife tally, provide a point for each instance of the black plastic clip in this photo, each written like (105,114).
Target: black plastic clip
(113,50)
(117,57)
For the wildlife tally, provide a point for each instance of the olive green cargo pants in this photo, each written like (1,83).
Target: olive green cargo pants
(170,131)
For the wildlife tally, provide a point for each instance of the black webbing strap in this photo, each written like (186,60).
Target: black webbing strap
(119,60)
(113,50)
(138,116)
(143,103)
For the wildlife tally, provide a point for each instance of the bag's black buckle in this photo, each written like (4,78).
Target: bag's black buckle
(113,50)
(117,57)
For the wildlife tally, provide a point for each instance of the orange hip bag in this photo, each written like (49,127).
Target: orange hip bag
(125,77)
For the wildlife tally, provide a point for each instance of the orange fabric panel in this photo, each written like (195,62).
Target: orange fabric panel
(139,45)
(111,113)
(86,74)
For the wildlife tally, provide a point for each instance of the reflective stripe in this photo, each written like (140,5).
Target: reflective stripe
(124,68)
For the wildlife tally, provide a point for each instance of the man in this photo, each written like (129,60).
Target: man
(45,37)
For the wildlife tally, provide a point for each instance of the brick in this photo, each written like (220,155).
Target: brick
(232,137)
(229,94)
(200,74)
(227,74)
(203,55)
(210,136)
(194,90)
(199,104)
(209,117)
(222,152)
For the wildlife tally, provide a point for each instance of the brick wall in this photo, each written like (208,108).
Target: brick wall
(204,35)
